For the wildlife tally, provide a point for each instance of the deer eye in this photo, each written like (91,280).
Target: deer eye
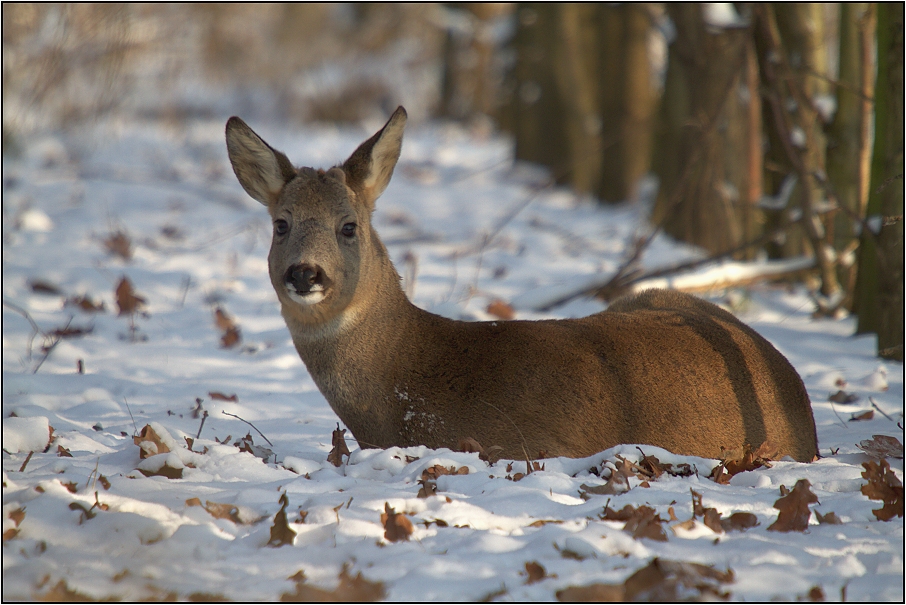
(281,226)
(348,229)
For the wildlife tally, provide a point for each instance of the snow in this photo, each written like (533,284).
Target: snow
(479,229)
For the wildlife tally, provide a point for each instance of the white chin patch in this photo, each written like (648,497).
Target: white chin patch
(311,298)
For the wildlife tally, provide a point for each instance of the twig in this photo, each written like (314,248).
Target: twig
(250,424)
(834,409)
(201,426)
(134,427)
(875,406)
(34,326)
(24,464)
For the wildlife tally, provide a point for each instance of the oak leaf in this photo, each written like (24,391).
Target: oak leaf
(127,301)
(338,441)
(149,443)
(883,485)
(119,244)
(830,518)
(882,446)
(659,581)
(218,396)
(351,589)
(428,488)
(281,533)
(231,334)
(734,462)
(500,309)
(536,572)
(397,526)
(866,415)
(794,511)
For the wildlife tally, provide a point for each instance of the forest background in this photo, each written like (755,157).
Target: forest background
(764,129)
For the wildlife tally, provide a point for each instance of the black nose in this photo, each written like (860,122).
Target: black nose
(306,278)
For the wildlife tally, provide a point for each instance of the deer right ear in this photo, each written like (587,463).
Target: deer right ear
(262,170)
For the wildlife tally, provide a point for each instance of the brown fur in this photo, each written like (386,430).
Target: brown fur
(660,368)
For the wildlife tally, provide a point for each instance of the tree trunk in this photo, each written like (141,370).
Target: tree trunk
(627,100)
(879,302)
(708,152)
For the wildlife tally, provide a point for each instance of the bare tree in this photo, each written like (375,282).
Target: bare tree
(879,293)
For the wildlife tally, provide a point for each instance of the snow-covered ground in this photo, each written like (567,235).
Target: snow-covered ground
(470,228)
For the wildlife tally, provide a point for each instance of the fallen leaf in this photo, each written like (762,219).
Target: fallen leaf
(739,522)
(794,511)
(104,481)
(218,396)
(338,440)
(433,472)
(618,483)
(489,455)
(219,510)
(536,572)
(119,244)
(816,595)
(734,462)
(149,443)
(659,581)
(281,533)
(62,452)
(16,516)
(351,589)
(428,488)
(882,446)
(231,334)
(85,303)
(500,309)
(193,502)
(843,397)
(543,522)
(866,415)
(40,286)
(830,518)
(397,526)
(883,485)
(127,301)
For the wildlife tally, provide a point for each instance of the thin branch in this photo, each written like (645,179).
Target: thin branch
(883,413)
(251,425)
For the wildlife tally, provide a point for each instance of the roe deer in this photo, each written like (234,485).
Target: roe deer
(660,368)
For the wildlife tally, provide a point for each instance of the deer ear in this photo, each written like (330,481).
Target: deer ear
(262,170)
(369,168)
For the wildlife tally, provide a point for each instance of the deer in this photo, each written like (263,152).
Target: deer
(660,367)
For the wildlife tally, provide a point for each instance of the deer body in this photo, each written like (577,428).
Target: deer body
(660,368)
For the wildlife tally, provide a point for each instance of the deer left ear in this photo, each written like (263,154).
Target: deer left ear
(369,168)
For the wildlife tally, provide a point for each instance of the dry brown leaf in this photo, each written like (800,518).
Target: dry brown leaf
(618,483)
(338,440)
(866,415)
(16,516)
(816,595)
(351,589)
(281,533)
(164,471)
(500,309)
(794,511)
(882,446)
(536,572)
(219,510)
(883,485)
(149,443)
(843,397)
(830,518)
(104,481)
(397,526)
(543,522)
(231,334)
(40,286)
(127,301)
(193,502)
(433,472)
(489,455)
(63,452)
(739,522)
(659,581)
(119,244)
(85,303)
(218,396)
(738,461)
(428,488)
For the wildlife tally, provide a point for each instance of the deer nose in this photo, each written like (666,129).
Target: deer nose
(306,278)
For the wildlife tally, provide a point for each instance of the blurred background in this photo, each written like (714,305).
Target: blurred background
(769,130)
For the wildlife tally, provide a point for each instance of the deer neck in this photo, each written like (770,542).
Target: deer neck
(351,356)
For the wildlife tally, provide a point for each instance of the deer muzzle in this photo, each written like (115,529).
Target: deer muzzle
(306,284)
